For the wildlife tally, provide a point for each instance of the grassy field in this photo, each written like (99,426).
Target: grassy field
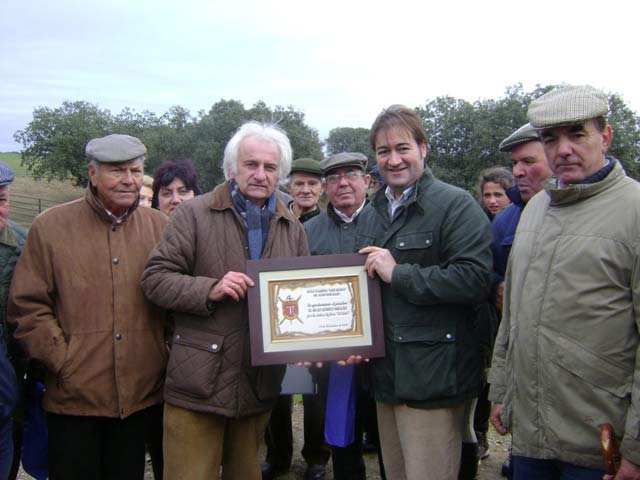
(13,159)
(30,197)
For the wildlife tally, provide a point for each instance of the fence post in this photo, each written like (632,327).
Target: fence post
(39,205)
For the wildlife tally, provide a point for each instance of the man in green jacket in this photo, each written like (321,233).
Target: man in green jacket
(12,359)
(566,356)
(429,244)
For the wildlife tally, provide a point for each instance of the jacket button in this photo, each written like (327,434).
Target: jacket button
(214,346)
(401,244)
(118,336)
(116,261)
(400,337)
(449,336)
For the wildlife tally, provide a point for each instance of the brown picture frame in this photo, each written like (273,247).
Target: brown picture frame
(270,346)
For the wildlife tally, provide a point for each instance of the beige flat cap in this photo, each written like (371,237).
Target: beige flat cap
(567,105)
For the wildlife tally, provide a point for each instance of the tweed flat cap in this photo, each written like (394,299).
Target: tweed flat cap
(115,148)
(6,174)
(344,159)
(524,134)
(306,165)
(567,105)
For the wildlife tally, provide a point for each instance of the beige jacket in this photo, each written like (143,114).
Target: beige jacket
(567,357)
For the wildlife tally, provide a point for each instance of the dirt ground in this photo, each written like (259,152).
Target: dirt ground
(489,468)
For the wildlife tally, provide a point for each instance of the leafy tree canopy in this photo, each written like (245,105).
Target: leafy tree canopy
(55,139)
(463,136)
(347,139)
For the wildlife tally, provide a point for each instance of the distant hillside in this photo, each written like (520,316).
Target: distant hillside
(13,159)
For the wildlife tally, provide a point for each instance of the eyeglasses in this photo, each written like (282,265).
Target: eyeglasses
(335,178)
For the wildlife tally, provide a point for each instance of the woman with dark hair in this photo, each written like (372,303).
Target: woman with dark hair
(174,181)
(492,185)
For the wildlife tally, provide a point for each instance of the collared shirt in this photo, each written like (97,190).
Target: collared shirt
(395,204)
(350,219)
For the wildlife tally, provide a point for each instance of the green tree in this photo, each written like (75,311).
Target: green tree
(348,139)
(464,136)
(626,135)
(55,139)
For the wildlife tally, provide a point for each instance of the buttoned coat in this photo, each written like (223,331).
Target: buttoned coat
(210,362)
(78,308)
(566,359)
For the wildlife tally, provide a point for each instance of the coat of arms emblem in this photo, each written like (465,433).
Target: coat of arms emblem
(290,309)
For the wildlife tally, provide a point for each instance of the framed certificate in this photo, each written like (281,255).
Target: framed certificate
(313,309)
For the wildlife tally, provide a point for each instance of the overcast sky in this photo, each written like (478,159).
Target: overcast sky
(339,61)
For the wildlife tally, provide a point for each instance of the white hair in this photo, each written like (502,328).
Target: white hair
(268,131)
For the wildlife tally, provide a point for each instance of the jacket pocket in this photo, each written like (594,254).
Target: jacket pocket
(425,363)
(594,369)
(414,241)
(194,363)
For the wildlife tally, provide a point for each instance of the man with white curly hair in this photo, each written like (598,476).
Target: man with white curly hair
(217,404)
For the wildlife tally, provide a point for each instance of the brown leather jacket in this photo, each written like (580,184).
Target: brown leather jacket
(78,307)
(210,362)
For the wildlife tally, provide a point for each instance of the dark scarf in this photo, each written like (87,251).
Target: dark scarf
(599,175)
(257,218)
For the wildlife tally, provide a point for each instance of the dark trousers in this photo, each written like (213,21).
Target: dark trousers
(483,411)
(279,434)
(99,448)
(525,468)
(154,439)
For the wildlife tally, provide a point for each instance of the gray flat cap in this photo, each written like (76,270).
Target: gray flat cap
(115,148)
(524,134)
(306,165)
(567,105)
(344,159)
(6,174)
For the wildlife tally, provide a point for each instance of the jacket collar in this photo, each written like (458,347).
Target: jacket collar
(91,197)
(8,236)
(221,200)
(578,192)
(379,200)
(513,193)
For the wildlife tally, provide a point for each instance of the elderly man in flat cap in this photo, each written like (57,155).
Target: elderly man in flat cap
(530,169)
(78,307)
(567,357)
(12,359)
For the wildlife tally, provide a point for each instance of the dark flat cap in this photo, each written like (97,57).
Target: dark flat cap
(306,165)
(6,174)
(115,148)
(524,134)
(344,159)
(567,105)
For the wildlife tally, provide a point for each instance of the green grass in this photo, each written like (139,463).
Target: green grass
(13,159)
(30,197)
